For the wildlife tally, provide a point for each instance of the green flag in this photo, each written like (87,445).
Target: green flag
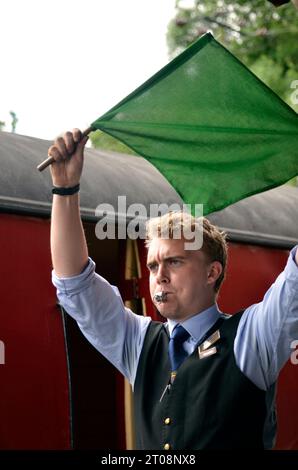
(211,127)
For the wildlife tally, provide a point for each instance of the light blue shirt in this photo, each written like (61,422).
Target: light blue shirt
(262,344)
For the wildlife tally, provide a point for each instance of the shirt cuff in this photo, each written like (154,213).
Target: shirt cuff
(293,253)
(291,269)
(74,284)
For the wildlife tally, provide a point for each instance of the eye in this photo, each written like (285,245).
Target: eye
(152,267)
(175,262)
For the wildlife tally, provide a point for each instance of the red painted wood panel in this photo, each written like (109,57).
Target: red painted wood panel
(251,271)
(34,405)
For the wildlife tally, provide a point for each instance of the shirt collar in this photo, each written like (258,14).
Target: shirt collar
(199,324)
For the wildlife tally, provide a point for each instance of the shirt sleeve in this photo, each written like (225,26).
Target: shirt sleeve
(114,330)
(267,329)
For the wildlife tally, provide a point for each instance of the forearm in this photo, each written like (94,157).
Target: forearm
(68,243)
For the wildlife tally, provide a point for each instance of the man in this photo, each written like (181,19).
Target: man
(204,380)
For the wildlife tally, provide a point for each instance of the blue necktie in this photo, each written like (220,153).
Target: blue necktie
(176,352)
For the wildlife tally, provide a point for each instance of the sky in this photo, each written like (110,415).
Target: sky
(64,63)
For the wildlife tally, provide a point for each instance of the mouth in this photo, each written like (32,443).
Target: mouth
(161,296)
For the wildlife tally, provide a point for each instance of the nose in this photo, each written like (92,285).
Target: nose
(162,275)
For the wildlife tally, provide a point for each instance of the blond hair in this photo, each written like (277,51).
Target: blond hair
(172,225)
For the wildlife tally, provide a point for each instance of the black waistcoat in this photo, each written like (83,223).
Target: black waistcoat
(211,404)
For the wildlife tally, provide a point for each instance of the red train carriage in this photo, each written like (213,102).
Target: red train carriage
(57,392)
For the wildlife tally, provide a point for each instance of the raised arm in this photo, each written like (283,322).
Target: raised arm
(96,306)
(68,243)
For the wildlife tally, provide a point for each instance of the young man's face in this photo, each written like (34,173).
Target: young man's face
(186,276)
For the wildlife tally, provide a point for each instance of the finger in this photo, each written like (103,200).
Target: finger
(60,144)
(82,143)
(77,135)
(54,152)
(69,143)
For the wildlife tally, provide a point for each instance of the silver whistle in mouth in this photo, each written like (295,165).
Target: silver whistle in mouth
(160,297)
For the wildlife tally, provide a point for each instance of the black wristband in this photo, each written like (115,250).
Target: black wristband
(66,191)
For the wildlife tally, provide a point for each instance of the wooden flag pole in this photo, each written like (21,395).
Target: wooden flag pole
(50,160)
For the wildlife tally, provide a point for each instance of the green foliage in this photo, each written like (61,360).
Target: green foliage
(293,181)
(262,36)
(101,140)
(14,121)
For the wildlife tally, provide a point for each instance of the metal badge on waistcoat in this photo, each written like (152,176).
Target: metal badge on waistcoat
(204,350)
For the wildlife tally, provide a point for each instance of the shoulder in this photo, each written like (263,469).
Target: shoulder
(155,330)
(231,322)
